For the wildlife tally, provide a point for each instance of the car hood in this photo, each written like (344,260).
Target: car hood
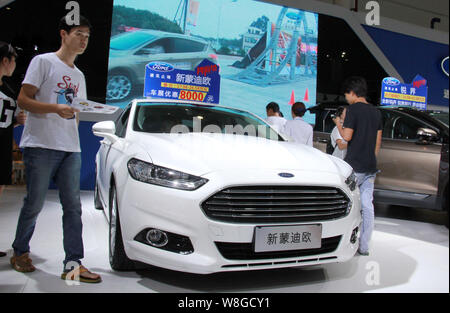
(201,153)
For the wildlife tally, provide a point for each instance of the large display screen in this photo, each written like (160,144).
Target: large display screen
(265,52)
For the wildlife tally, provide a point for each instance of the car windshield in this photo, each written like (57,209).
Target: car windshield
(187,118)
(131,40)
(440,116)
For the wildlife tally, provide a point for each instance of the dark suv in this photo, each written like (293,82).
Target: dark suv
(413,159)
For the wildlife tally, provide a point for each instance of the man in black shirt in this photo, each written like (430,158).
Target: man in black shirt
(362,129)
(8,116)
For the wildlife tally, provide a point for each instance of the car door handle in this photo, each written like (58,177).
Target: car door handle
(323,140)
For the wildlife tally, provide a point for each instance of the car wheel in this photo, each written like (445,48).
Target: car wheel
(119,86)
(117,256)
(97,203)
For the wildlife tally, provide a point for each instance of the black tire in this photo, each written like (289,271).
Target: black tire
(446,207)
(117,257)
(120,86)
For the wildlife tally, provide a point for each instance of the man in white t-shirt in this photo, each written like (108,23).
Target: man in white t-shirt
(52,148)
(274,118)
(297,129)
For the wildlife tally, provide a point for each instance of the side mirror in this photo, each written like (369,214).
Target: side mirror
(106,129)
(426,136)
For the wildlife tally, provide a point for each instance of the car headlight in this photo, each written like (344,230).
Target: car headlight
(351,181)
(162,176)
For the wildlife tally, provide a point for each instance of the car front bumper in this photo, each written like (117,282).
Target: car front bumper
(143,206)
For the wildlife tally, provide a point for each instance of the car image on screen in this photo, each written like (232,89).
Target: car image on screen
(203,189)
(131,51)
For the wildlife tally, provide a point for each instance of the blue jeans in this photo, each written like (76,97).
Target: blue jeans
(41,166)
(366,184)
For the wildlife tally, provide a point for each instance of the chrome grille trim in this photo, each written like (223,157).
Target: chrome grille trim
(276,204)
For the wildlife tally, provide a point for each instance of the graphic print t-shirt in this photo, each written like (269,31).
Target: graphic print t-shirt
(56,83)
(8,111)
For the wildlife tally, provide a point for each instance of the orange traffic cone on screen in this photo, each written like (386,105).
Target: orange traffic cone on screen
(292,98)
(306,98)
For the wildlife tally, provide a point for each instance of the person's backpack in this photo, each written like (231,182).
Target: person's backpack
(330,148)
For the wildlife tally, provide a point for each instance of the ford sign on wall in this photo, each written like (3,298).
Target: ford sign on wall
(411,55)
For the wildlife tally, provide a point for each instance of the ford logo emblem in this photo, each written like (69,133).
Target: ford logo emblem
(444,65)
(286,175)
(160,67)
(391,81)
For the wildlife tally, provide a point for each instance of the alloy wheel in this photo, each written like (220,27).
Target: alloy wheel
(119,87)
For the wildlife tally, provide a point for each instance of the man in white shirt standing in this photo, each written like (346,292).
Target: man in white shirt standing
(297,129)
(274,118)
(52,148)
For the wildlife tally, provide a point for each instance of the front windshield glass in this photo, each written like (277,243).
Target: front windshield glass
(441,116)
(186,118)
(129,41)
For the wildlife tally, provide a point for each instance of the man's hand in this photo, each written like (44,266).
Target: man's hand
(27,102)
(66,111)
(21,118)
(337,120)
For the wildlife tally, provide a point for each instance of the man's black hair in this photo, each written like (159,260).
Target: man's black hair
(356,84)
(299,109)
(273,106)
(7,51)
(64,26)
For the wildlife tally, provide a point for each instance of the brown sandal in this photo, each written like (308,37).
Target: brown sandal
(77,275)
(23,263)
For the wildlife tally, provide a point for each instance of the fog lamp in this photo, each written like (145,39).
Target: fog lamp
(354,236)
(157,238)
(351,181)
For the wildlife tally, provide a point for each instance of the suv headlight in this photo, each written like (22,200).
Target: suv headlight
(351,181)
(162,176)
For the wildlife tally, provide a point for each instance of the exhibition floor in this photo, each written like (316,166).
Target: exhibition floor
(406,256)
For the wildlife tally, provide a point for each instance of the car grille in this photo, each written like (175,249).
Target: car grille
(272,204)
(245,251)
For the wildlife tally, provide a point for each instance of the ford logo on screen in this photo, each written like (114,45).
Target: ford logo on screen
(286,175)
(160,67)
(391,81)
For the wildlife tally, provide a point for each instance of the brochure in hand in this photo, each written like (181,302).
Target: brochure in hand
(87,106)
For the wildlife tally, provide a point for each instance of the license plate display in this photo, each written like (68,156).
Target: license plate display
(294,237)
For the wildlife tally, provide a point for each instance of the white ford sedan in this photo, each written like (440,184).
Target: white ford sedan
(203,189)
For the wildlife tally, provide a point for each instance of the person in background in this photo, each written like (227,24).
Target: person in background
(297,129)
(52,148)
(9,115)
(339,144)
(362,129)
(274,117)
